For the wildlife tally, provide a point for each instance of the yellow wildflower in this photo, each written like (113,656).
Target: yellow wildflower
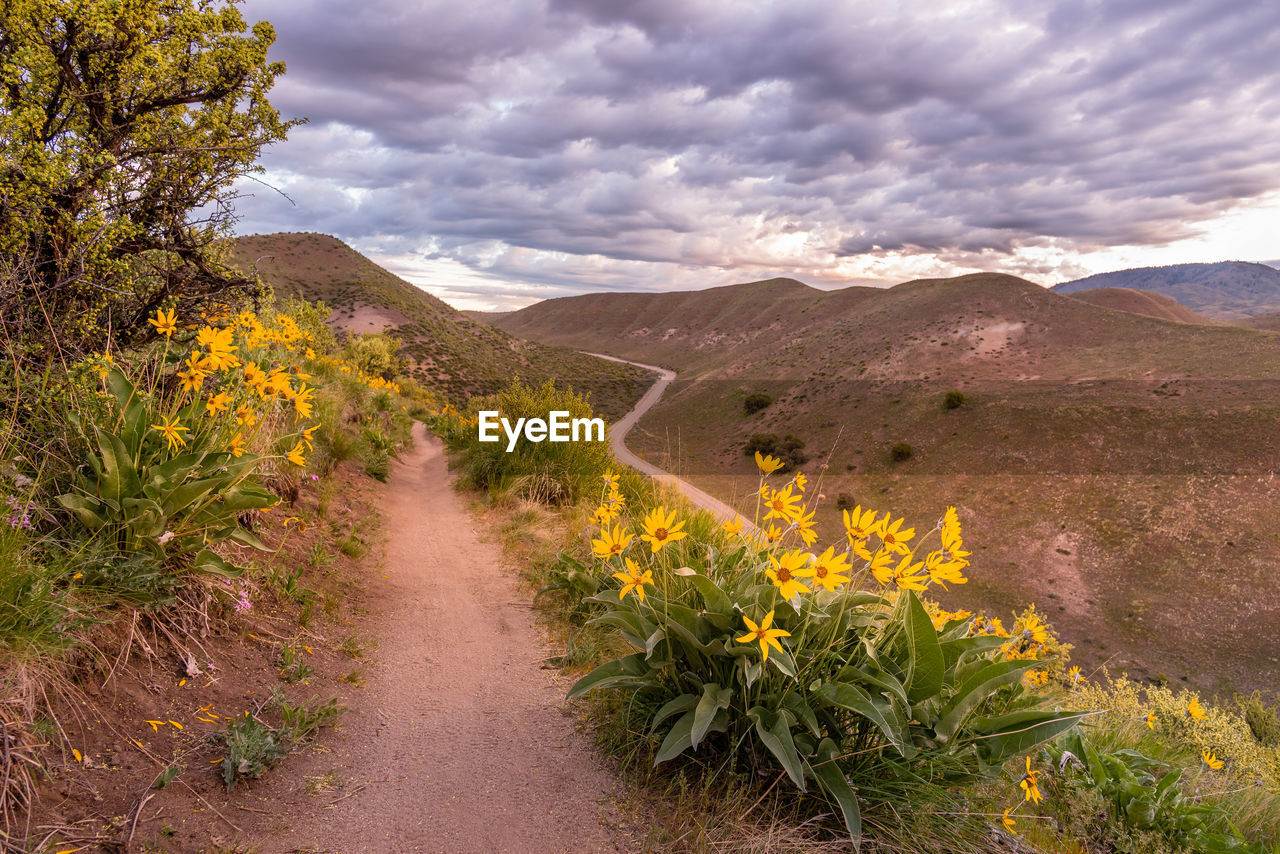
(766,636)
(1151,719)
(1009,823)
(733,528)
(604,514)
(219,402)
(784,573)
(1195,709)
(783,505)
(1214,763)
(1028,784)
(943,571)
(309,437)
(661,528)
(895,539)
(1033,629)
(255,378)
(768,464)
(859,524)
(237,445)
(773,533)
(611,543)
(610,481)
(804,527)
(302,400)
(1074,675)
(801,481)
(172,431)
(246,416)
(165,324)
(296,455)
(633,579)
(880,564)
(829,569)
(906,575)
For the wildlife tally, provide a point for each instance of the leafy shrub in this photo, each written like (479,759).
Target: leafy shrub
(1263,720)
(1146,799)
(135,492)
(548,472)
(756,402)
(844,501)
(740,660)
(953,400)
(901,452)
(254,746)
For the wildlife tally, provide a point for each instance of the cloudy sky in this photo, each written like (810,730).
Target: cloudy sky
(501,151)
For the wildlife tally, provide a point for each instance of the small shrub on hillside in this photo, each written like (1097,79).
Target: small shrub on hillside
(844,501)
(901,452)
(253,746)
(755,403)
(1263,720)
(953,400)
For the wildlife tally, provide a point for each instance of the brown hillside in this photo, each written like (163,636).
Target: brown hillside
(1107,463)
(1146,303)
(448,351)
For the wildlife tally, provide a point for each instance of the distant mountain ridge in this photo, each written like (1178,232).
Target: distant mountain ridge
(1150,303)
(1225,290)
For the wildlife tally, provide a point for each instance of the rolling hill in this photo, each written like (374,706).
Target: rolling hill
(1111,467)
(448,351)
(1148,303)
(1223,290)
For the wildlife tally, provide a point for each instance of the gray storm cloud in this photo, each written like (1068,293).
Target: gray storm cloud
(522,138)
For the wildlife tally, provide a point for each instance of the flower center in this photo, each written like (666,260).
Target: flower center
(660,533)
(784,574)
(821,571)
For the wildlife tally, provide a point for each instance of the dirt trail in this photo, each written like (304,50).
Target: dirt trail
(618,441)
(461,742)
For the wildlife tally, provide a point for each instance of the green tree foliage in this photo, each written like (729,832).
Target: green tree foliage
(123,125)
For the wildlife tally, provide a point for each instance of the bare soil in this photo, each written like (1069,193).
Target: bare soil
(461,741)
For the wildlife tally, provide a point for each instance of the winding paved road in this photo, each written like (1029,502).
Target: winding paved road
(618,434)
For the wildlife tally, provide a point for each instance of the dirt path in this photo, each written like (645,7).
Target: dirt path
(618,435)
(460,742)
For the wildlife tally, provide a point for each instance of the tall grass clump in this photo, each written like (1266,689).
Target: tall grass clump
(547,472)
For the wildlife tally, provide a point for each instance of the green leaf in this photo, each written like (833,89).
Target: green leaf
(925,667)
(1005,736)
(683,703)
(86,510)
(774,729)
(974,691)
(713,598)
(630,670)
(207,561)
(714,698)
(245,537)
(826,770)
(119,478)
(854,698)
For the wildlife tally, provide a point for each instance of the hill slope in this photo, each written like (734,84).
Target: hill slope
(1147,303)
(1224,290)
(449,351)
(1105,462)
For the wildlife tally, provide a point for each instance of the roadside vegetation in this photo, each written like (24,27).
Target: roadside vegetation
(773,693)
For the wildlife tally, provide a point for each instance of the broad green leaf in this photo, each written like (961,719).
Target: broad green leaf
(878,678)
(924,671)
(207,561)
(713,699)
(247,538)
(826,770)
(774,729)
(802,712)
(857,700)
(683,703)
(679,739)
(1005,736)
(630,670)
(119,478)
(974,691)
(86,510)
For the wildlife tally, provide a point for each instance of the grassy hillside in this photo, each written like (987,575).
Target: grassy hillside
(1147,303)
(449,351)
(1116,468)
(1224,290)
